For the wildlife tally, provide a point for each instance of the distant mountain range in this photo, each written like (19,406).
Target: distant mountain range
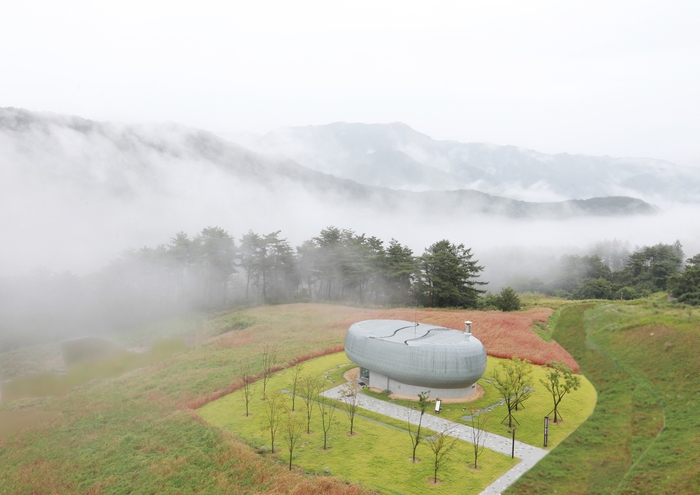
(369,167)
(397,157)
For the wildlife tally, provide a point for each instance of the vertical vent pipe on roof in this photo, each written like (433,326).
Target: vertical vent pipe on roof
(468,331)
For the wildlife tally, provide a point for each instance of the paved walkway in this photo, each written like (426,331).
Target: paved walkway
(528,455)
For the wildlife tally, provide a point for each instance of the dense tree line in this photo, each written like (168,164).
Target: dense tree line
(622,275)
(686,285)
(337,265)
(213,269)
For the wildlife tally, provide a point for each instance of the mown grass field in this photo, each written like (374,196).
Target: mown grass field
(575,408)
(644,435)
(377,455)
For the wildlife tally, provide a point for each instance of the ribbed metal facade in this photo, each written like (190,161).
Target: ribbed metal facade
(416,353)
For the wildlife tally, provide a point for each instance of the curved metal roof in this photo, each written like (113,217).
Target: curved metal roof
(417,353)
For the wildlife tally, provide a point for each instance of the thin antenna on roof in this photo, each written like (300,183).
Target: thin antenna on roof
(415,314)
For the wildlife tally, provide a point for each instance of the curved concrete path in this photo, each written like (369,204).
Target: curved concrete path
(528,454)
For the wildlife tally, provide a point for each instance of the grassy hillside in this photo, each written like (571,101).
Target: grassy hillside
(82,365)
(644,434)
(138,432)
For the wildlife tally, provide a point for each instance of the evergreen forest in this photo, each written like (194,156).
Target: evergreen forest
(213,270)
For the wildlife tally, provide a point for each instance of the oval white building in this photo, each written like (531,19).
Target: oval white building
(408,358)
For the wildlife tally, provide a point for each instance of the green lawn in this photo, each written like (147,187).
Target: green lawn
(376,456)
(575,408)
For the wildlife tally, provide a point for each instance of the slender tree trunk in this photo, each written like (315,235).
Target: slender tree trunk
(264,287)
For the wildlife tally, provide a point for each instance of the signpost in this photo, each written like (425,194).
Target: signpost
(546,430)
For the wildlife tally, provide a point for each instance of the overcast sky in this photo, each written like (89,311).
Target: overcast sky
(615,78)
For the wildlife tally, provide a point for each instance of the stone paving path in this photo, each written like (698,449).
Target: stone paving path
(528,454)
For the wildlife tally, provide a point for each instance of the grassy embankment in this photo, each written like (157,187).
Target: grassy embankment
(644,435)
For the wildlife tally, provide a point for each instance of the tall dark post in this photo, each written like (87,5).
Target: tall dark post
(546,430)
(512,451)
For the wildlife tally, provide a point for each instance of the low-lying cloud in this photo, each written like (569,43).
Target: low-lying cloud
(76,193)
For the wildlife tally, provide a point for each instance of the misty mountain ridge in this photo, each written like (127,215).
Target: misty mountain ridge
(127,161)
(76,192)
(396,156)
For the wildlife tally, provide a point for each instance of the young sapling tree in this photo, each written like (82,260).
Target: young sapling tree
(350,402)
(327,412)
(292,431)
(478,434)
(513,381)
(310,386)
(441,445)
(415,434)
(273,416)
(269,359)
(560,380)
(296,375)
(247,377)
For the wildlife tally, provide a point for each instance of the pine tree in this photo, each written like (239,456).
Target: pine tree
(448,276)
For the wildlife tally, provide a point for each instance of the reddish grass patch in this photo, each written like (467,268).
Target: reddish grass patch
(44,476)
(505,335)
